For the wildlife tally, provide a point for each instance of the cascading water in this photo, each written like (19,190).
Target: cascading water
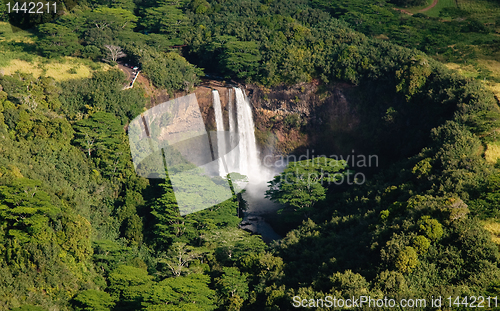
(231,160)
(239,148)
(221,141)
(242,157)
(248,162)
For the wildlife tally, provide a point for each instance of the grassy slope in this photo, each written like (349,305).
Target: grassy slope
(415,9)
(484,10)
(19,57)
(485,68)
(476,70)
(434,12)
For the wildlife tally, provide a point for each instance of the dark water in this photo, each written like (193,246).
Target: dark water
(257,208)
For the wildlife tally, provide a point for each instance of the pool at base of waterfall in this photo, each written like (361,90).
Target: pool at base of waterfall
(254,217)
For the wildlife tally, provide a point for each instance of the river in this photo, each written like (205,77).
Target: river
(254,217)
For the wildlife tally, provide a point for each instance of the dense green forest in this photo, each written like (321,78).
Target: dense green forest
(79,230)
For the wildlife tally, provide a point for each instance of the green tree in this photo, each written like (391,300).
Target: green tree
(430,227)
(127,285)
(421,244)
(166,18)
(25,210)
(413,76)
(407,3)
(103,92)
(178,258)
(57,40)
(29,308)
(103,25)
(170,70)
(241,58)
(300,185)
(93,300)
(134,228)
(109,255)
(189,292)
(102,138)
(4,17)
(128,5)
(200,6)
(169,223)
(233,288)
(232,244)
(348,283)
(392,283)
(117,18)
(407,260)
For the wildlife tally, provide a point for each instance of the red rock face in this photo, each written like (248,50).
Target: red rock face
(290,119)
(204,97)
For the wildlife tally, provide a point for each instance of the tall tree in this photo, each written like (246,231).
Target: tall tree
(127,285)
(25,210)
(166,18)
(178,258)
(99,135)
(302,184)
(169,223)
(189,292)
(114,52)
(93,300)
(233,288)
(241,57)
(57,40)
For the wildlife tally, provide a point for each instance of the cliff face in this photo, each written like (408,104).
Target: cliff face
(291,119)
(334,120)
(204,97)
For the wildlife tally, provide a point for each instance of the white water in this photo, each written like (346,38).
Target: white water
(233,140)
(237,152)
(248,162)
(221,141)
(243,157)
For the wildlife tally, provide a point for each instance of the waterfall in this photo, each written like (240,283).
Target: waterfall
(237,152)
(232,123)
(248,162)
(233,141)
(221,141)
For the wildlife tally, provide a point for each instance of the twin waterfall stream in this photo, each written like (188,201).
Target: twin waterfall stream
(243,158)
